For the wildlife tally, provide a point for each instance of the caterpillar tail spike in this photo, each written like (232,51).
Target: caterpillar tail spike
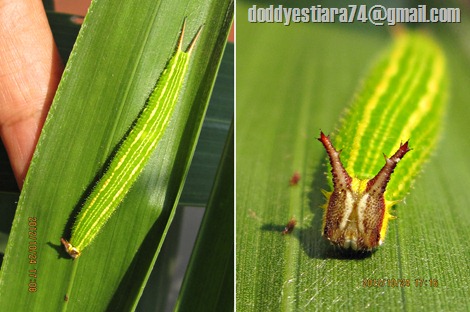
(193,42)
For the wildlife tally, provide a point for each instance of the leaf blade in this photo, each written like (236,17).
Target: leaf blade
(102,60)
(318,67)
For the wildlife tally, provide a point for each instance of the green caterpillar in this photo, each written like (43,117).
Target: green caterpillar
(133,154)
(403,100)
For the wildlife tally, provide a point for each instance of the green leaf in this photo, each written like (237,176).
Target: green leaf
(169,268)
(180,238)
(119,54)
(211,263)
(213,135)
(281,106)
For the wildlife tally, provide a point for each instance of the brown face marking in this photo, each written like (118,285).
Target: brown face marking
(355,211)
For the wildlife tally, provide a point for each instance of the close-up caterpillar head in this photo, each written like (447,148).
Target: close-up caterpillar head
(357,212)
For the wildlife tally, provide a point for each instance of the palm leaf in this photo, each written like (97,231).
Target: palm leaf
(118,56)
(283,100)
